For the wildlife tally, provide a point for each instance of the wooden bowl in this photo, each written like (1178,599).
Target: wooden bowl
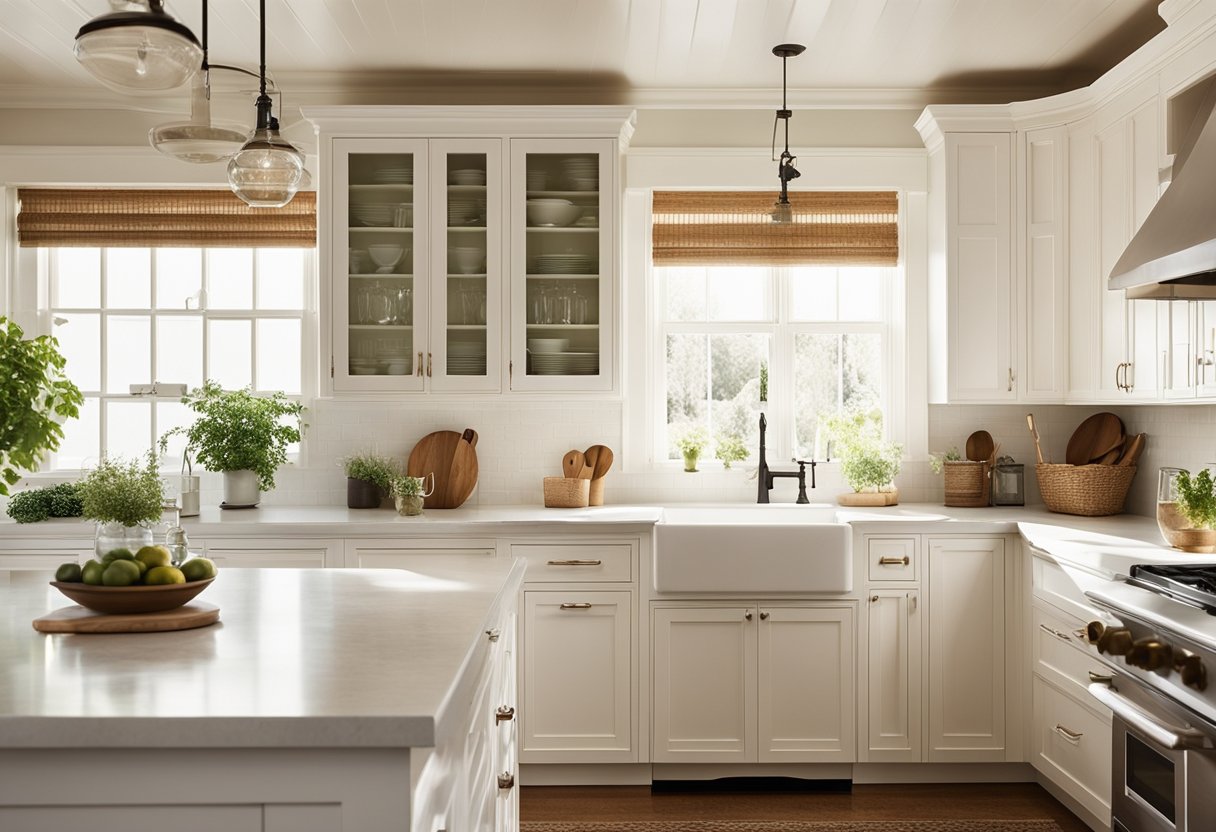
(132,599)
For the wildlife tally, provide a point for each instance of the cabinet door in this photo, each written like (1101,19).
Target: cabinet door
(966,650)
(1072,748)
(981,305)
(1112,222)
(466,265)
(399,554)
(563,263)
(578,686)
(288,554)
(805,670)
(1181,379)
(1043,289)
(377,234)
(704,684)
(1144,376)
(41,555)
(1204,348)
(893,683)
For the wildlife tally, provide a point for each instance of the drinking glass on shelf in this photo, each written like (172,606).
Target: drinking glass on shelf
(578,306)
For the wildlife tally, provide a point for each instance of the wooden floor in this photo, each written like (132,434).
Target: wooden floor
(1005,801)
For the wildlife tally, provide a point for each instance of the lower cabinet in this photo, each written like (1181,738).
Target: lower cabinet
(263,553)
(764,683)
(397,553)
(44,555)
(893,703)
(1071,746)
(577,676)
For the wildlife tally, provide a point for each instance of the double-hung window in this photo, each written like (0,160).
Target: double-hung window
(820,333)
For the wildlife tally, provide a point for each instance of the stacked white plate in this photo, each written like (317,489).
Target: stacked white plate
(565,264)
(465,210)
(466,359)
(581,173)
(550,363)
(393,176)
(467,176)
(364,366)
(373,215)
(583,363)
(537,179)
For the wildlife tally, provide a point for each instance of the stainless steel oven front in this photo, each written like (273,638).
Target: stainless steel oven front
(1164,761)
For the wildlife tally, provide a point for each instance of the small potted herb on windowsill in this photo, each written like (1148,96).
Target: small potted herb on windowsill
(691,443)
(868,462)
(730,448)
(369,479)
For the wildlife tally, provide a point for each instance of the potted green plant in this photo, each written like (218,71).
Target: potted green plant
(1186,509)
(730,448)
(691,443)
(35,397)
(241,435)
(868,462)
(409,493)
(369,479)
(123,497)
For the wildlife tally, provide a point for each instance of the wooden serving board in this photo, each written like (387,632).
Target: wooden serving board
(451,457)
(76,619)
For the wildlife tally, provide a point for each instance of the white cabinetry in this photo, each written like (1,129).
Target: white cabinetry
(264,552)
(39,554)
(764,665)
(893,705)
(400,553)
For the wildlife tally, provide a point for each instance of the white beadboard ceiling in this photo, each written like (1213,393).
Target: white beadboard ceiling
(673,52)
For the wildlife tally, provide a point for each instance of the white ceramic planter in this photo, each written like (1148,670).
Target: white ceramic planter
(241,488)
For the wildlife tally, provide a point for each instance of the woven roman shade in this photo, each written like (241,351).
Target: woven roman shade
(735,228)
(111,217)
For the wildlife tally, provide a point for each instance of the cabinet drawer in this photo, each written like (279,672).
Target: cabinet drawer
(1052,584)
(573,563)
(891,558)
(1060,655)
(1072,746)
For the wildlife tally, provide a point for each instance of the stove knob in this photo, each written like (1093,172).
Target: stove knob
(1194,674)
(1093,631)
(1116,641)
(1151,654)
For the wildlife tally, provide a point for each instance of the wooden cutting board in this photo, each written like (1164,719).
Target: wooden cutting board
(76,619)
(451,457)
(1095,437)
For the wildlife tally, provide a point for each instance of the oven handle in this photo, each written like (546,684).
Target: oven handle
(1162,733)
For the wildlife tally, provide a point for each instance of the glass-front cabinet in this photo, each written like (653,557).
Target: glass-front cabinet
(562,263)
(416,260)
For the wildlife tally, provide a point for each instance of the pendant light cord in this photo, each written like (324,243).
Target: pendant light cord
(205,66)
(262,64)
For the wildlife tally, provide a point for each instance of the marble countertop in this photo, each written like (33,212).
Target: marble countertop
(300,658)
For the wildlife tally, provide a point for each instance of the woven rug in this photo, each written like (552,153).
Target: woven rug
(797,826)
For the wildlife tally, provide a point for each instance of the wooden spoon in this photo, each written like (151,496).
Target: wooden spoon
(589,458)
(603,461)
(979,446)
(572,464)
(1132,450)
(1038,452)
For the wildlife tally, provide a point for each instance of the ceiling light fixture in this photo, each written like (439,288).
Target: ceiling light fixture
(138,48)
(198,140)
(267,171)
(782,210)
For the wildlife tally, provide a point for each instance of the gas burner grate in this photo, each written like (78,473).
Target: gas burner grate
(1191,584)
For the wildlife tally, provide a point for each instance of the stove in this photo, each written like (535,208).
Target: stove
(1194,585)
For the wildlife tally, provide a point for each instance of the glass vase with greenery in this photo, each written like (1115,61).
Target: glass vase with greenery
(409,493)
(868,462)
(238,431)
(691,443)
(1186,509)
(124,497)
(35,398)
(369,478)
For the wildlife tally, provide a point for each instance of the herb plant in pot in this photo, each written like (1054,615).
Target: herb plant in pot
(1186,509)
(241,435)
(35,398)
(868,462)
(369,479)
(409,493)
(124,497)
(691,443)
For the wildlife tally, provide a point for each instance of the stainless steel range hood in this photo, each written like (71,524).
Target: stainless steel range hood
(1173,255)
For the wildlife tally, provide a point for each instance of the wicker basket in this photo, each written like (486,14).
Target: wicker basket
(1088,490)
(567,492)
(968,484)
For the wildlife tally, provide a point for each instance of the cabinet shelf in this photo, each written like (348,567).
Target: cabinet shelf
(481,227)
(375,276)
(382,187)
(533,276)
(551,327)
(465,327)
(380,327)
(563,229)
(595,195)
(381,229)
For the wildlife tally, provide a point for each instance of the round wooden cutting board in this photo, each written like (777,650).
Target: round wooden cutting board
(76,619)
(451,457)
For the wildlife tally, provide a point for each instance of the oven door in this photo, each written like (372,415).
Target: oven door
(1164,777)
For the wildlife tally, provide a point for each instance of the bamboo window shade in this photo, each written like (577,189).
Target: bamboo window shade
(138,218)
(735,228)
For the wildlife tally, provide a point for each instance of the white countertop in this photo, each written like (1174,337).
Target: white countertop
(300,658)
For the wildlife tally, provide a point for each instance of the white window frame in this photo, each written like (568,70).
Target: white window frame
(36,307)
(782,332)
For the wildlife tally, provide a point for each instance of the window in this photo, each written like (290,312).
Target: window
(821,331)
(127,316)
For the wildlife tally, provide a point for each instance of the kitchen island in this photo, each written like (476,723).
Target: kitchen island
(323,699)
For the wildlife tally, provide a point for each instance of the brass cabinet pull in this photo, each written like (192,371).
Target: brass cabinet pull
(1010,388)
(1101,678)
(580,606)
(576,562)
(911,602)
(764,616)
(748,615)
(506,780)
(493,634)
(418,372)
(1071,736)
(904,561)
(1056,633)
(428,365)
(873,599)
(505,713)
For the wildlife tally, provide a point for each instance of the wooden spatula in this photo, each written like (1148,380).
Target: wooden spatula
(1038,452)
(589,457)
(572,464)
(603,461)
(1132,450)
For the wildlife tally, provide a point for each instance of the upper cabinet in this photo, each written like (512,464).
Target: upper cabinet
(470,249)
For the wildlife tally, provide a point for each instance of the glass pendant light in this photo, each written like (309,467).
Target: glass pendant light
(267,171)
(138,48)
(782,210)
(198,140)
